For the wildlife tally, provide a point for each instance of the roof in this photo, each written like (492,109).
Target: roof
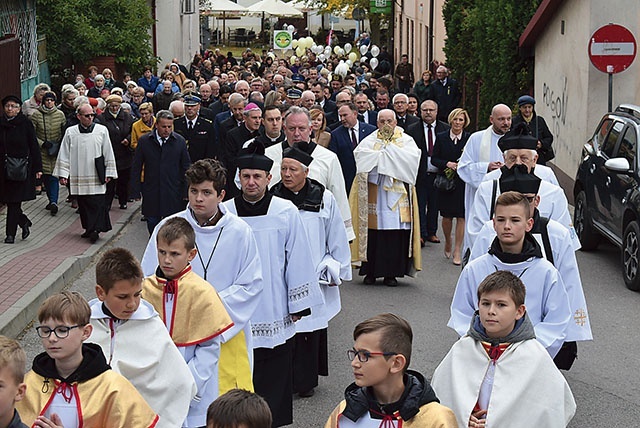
(539,22)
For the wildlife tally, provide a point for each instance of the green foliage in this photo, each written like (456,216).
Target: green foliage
(482,46)
(78,30)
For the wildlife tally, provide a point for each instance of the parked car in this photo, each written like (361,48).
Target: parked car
(606,191)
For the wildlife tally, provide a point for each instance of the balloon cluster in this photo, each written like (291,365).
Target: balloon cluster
(375,51)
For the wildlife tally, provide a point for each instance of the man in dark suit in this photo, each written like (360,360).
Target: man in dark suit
(424,133)
(365,115)
(222,103)
(343,97)
(346,137)
(329,107)
(197,131)
(236,137)
(445,92)
(400,105)
(231,118)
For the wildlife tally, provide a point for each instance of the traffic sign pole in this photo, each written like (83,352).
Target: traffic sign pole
(612,49)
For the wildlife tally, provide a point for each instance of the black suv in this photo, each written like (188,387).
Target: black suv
(607,199)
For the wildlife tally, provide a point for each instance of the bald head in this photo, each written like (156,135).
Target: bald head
(500,119)
(387,117)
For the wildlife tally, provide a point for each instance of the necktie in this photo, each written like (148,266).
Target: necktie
(354,141)
(190,125)
(430,139)
(164,140)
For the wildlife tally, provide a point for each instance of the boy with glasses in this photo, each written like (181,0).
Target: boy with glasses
(384,389)
(71,383)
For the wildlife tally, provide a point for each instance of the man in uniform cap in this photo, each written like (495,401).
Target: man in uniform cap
(290,281)
(293,97)
(197,131)
(330,256)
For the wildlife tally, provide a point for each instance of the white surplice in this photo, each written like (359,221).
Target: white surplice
(291,283)
(564,259)
(154,367)
(326,170)
(546,301)
(332,258)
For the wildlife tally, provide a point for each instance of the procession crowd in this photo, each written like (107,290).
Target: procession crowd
(263,182)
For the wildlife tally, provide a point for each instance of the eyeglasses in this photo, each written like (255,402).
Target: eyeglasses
(61,331)
(14,106)
(88,115)
(427,110)
(363,356)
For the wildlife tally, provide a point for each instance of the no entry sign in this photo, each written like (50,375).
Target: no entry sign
(612,48)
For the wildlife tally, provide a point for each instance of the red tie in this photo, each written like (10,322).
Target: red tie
(354,141)
(430,139)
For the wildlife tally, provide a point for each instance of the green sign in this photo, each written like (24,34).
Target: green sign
(380,6)
(282,39)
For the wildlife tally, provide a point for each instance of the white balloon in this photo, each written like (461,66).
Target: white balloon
(327,51)
(374,63)
(375,51)
(340,52)
(349,62)
(291,27)
(364,49)
(347,47)
(321,57)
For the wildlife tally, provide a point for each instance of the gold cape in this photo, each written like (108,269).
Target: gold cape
(359,204)
(431,415)
(198,313)
(106,401)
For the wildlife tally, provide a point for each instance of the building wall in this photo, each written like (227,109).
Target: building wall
(571,94)
(176,35)
(411,32)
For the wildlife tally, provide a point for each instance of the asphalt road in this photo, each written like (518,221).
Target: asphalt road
(605,379)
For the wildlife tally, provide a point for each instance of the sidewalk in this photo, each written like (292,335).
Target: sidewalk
(54,253)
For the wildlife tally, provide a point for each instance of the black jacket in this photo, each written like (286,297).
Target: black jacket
(164,189)
(417,393)
(18,139)
(416,131)
(119,129)
(447,96)
(539,129)
(200,140)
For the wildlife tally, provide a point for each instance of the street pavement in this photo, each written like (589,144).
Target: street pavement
(605,379)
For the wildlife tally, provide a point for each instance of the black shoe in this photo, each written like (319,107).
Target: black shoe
(143,218)
(48,207)
(123,206)
(54,209)
(86,234)
(93,237)
(9,239)
(369,280)
(307,394)
(390,281)
(25,229)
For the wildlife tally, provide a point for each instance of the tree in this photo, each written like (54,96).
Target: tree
(78,30)
(482,44)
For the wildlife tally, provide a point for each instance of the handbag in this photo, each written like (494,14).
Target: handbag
(443,183)
(101,169)
(16,169)
(52,147)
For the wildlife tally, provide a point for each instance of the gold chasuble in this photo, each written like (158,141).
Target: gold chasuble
(198,313)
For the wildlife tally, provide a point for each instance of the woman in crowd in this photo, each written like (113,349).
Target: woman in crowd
(49,123)
(412,106)
(178,75)
(18,148)
(31,105)
(98,87)
(446,153)
(318,125)
(422,87)
(168,75)
(537,128)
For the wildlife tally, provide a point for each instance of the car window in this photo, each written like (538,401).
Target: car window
(610,142)
(601,132)
(628,145)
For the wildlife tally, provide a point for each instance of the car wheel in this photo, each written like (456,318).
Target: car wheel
(589,238)
(631,256)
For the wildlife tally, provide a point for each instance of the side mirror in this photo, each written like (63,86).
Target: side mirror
(618,165)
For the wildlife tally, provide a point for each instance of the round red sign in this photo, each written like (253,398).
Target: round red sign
(612,48)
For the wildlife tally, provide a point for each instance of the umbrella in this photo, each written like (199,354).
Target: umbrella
(215,7)
(275,8)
